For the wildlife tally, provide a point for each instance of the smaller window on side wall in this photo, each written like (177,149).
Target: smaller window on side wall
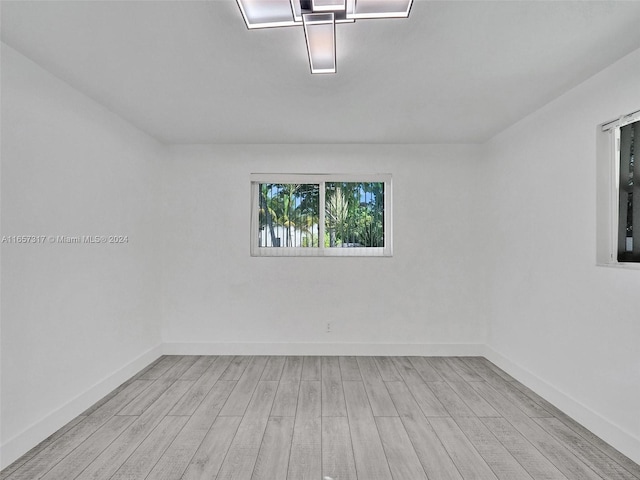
(619,196)
(628,141)
(341,215)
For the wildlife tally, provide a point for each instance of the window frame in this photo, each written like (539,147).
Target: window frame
(321,251)
(608,192)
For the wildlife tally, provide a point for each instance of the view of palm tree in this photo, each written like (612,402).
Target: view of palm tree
(354,214)
(289,215)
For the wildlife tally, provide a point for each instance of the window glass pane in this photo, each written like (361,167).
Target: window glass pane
(354,214)
(288,215)
(629,188)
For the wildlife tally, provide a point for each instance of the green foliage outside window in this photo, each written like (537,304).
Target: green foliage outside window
(289,214)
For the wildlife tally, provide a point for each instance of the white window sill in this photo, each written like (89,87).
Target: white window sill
(322,252)
(624,266)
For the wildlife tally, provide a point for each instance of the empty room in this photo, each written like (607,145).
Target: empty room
(319,240)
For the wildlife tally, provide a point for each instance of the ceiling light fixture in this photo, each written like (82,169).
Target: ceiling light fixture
(319,18)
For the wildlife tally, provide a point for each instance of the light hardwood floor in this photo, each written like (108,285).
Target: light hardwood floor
(322,418)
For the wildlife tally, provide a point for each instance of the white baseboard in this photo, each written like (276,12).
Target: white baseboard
(20,444)
(380,349)
(616,436)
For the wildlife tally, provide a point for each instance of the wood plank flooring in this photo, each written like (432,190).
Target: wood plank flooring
(322,418)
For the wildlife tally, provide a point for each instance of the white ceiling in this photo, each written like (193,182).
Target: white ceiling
(191,72)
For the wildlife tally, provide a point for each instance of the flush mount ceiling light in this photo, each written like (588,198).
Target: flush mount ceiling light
(319,18)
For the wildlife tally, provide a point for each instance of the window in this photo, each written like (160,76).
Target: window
(321,215)
(619,199)
(628,141)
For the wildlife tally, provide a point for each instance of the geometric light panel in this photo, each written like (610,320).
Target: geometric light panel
(318,18)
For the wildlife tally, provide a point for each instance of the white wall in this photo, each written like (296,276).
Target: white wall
(493,244)
(562,324)
(423,299)
(76,319)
